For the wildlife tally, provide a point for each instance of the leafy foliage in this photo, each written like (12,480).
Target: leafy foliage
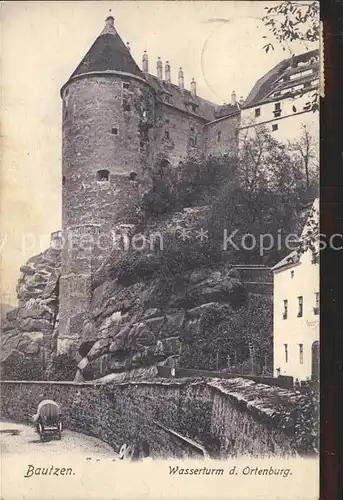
(63,368)
(292,21)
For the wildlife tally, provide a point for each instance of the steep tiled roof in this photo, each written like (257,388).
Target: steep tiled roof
(226,110)
(268,83)
(108,53)
(181,99)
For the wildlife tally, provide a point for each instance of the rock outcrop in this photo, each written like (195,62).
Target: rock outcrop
(30,331)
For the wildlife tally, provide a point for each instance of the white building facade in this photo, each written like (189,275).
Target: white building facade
(283,100)
(296,316)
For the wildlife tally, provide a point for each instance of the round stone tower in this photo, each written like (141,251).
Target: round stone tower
(108,112)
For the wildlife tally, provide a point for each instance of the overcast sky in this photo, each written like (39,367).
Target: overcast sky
(217,43)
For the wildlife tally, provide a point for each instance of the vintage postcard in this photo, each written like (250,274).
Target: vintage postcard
(159,250)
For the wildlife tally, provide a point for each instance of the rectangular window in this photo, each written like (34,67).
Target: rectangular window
(286,352)
(292,274)
(285,309)
(114,131)
(257,112)
(277,109)
(126,85)
(301,353)
(275,126)
(316,308)
(300,306)
(219,134)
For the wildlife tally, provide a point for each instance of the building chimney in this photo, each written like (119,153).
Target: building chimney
(145,62)
(167,72)
(159,69)
(181,79)
(241,101)
(128,46)
(193,88)
(233,98)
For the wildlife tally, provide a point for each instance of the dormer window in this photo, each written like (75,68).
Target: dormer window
(167,98)
(102,175)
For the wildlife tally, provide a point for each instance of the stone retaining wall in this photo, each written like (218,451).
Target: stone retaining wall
(228,417)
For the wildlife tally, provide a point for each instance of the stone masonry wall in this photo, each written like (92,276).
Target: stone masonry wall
(227,142)
(234,419)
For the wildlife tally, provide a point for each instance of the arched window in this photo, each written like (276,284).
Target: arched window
(102,175)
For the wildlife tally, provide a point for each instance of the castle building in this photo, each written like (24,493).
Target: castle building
(117,120)
(284,99)
(296,312)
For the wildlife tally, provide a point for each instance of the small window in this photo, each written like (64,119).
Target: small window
(192,142)
(257,112)
(63,180)
(277,106)
(114,131)
(132,176)
(285,309)
(192,129)
(166,134)
(292,274)
(275,126)
(301,353)
(219,134)
(102,175)
(286,352)
(126,85)
(300,307)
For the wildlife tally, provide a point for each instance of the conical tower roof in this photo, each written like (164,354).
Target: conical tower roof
(108,53)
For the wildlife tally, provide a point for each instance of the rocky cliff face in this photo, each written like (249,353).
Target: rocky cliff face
(29,332)
(157,306)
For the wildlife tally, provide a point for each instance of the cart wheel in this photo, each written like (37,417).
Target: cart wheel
(41,432)
(131,453)
(122,451)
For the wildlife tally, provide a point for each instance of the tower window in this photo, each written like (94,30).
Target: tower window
(132,176)
(257,112)
(102,175)
(275,126)
(126,85)
(114,131)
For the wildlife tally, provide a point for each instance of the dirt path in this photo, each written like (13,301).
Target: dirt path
(21,439)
